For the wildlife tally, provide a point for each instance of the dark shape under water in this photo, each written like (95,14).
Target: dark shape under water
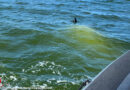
(75,21)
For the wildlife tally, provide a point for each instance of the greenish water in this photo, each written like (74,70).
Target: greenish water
(40,46)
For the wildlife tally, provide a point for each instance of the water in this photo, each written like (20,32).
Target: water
(40,46)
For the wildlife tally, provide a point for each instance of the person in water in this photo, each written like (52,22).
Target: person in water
(75,20)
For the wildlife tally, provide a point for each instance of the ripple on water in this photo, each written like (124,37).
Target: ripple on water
(40,48)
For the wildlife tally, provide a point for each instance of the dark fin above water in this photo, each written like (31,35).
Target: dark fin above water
(75,21)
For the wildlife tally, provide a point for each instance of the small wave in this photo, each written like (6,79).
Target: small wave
(109,17)
(22,3)
(41,12)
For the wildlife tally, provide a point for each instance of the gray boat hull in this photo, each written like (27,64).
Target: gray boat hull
(112,76)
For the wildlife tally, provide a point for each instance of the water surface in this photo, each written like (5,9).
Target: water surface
(40,46)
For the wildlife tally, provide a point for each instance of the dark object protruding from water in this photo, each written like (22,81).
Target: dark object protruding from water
(84,84)
(75,21)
